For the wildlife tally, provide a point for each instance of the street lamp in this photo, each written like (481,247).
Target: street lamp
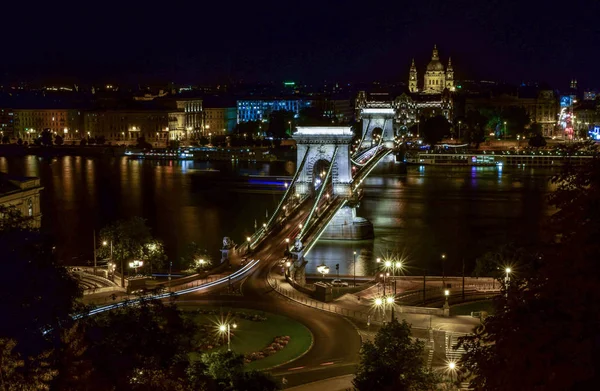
(323,269)
(135,264)
(105,243)
(227,328)
(355,269)
(443,271)
(446,294)
(248,240)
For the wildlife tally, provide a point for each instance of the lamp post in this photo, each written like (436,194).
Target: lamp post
(504,135)
(355,269)
(227,328)
(446,304)
(248,241)
(507,279)
(443,271)
(323,269)
(135,264)
(105,243)
(451,369)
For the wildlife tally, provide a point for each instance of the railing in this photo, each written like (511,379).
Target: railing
(334,308)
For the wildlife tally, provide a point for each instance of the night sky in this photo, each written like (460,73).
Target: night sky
(221,41)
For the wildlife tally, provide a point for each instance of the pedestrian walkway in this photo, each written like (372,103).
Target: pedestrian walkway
(364,310)
(339,383)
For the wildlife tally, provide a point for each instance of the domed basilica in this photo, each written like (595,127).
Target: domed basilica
(437,78)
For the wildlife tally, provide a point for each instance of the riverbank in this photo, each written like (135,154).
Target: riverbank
(61,150)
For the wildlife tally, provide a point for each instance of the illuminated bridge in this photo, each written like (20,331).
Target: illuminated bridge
(320,200)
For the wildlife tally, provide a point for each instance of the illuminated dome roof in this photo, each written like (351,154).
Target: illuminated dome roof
(435,65)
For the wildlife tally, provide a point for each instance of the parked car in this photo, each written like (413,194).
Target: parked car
(337,282)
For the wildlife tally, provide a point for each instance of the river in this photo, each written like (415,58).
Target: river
(460,211)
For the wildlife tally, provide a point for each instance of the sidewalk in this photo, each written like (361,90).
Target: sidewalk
(340,383)
(364,311)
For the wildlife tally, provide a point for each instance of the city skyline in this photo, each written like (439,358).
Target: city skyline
(502,41)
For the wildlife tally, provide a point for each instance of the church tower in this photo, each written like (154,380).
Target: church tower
(412,79)
(450,75)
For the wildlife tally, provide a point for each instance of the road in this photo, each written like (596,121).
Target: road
(336,342)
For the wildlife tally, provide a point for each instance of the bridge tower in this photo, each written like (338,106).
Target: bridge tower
(326,145)
(378,116)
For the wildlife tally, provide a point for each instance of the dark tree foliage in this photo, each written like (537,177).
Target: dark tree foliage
(130,346)
(544,335)
(83,142)
(224,371)
(46,137)
(248,129)
(20,141)
(393,362)
(473,130)
(59,140)
(5,139)
(281,123)
(143,144)
(434,129)
(537,141)
(516,119)
(39,295)
(314,116)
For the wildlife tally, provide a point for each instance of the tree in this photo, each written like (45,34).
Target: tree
(46,137)
(313,116)
(393,362)
(474,128)
(129,239)
(226,371)
(83,142)
(192,256)
(40,295)
(58,140)
(434,129)
(537,141)
(543,335)
(143,144)
(5,139)
(516,119)
(248,129)
(153,255)
(134,347)
(20,141)
(281,123)
(13,373)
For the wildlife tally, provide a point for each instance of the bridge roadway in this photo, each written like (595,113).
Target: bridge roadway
(336,342)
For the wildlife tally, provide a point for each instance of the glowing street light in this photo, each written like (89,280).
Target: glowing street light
(227,328)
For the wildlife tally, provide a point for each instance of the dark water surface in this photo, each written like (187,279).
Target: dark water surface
(460,211)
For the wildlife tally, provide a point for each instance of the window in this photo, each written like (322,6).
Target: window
(29,208)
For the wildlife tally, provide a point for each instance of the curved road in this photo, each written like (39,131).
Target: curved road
(336,342)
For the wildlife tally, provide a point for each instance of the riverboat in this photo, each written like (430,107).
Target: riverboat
(536,159)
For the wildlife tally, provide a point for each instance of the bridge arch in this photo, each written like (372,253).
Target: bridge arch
(326,146)
(381,119)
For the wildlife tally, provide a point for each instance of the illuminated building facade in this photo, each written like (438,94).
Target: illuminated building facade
(22,193)
(124,127)
(29,123)
(219,120)
(186,122)
(261,109)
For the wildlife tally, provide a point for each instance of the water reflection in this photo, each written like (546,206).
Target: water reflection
(459,211)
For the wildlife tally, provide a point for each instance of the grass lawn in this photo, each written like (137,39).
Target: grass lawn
(476,306)
(253,336)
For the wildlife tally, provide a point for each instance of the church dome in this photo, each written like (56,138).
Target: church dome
(435,65)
